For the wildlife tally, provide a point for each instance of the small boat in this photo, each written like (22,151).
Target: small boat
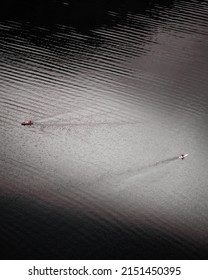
(27,123)
(182,156)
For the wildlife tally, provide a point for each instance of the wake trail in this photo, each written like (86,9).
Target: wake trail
(133,172)
(82,124)
(117,179)
(161,162)
(59,117)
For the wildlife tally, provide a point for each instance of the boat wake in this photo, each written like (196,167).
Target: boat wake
(161,162)
(120,178)
(134,172)
(83,124)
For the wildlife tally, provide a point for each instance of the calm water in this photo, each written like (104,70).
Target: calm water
(116,92)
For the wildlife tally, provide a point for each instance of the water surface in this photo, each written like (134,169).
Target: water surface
(116,94)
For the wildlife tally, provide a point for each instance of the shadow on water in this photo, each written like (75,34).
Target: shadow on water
(44,17)
(54,233)
(78,13)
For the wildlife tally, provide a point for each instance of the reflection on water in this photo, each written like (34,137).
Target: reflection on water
(116,92)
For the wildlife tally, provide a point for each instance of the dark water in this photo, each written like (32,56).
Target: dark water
(116,92)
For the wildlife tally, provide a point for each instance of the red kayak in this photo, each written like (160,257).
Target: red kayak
(27,123)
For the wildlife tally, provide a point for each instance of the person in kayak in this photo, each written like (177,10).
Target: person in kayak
(27,123)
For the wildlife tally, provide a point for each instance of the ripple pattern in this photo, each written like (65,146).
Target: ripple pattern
(98,173)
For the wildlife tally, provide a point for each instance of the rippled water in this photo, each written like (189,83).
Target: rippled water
(116,94)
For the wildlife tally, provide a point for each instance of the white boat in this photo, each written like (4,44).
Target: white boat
(182,156)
